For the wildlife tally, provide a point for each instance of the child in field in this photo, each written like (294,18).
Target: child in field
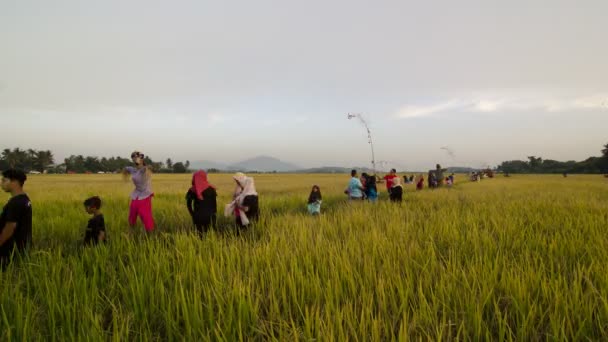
(314,201)
(96,228)
(420,184)
(448,182)
(201,200)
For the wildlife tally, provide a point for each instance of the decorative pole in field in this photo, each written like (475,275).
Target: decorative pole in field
(369,135)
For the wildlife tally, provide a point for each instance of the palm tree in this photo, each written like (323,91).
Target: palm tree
(7,156)
(605,151)
(31,159)
(44,159)
(18,158)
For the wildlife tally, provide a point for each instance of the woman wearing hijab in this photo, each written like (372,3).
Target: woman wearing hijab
(141,196)
(201,202)
(396,190)
(314,201)
(245,204)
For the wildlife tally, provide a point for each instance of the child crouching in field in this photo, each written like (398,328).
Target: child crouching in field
(96,228)
(314,201)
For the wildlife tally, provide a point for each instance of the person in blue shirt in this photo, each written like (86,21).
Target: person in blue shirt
(355,188)
(371,192)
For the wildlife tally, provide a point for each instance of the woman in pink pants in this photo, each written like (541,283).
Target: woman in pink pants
(141,197)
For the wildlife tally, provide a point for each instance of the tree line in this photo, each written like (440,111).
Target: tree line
(539,165)
(44,162)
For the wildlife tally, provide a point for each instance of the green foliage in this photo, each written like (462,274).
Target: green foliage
(520,258)
(538,165)
(179,167)
(28,160)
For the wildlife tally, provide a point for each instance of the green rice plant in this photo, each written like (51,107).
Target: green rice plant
(519,258)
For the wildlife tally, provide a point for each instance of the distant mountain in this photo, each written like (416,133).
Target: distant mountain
(324,169)
(264,164)
(206,165)
(270,164)
(335,169)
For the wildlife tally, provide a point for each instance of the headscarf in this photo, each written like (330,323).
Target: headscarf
(247,185)
(315,196)
(396,182)
(200,183)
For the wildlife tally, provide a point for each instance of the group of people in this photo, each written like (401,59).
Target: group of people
(201,202)
(364,187)
(201,198)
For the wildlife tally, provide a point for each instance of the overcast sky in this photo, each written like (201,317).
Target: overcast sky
(229,80)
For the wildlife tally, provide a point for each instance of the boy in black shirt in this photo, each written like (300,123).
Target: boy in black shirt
(16,218)
(96,229)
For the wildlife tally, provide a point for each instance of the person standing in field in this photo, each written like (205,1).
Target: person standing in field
(96,228)
(16,218)
(245,204)
(363,179)
(354,189)
(389,179)
(201,200)
(420,184)
(433,183)
(396,194)
(141,196)
(371,191)
(314,201)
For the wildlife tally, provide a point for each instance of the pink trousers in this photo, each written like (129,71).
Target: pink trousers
(143,209)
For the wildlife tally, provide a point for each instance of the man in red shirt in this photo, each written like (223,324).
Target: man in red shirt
(388,179)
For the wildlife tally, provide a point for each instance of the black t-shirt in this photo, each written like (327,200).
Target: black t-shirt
(19,210)
(206,207)
(96,225)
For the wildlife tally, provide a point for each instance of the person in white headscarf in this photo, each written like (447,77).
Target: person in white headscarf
(396,193)
(244,206)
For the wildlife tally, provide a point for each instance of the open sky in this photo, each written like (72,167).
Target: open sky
(228,80)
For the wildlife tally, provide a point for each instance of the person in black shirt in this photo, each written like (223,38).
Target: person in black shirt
(201,200)
(96,228)
(16,218)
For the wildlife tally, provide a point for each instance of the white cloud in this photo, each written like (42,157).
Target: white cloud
(422,111)
(514,101)
(487,106)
